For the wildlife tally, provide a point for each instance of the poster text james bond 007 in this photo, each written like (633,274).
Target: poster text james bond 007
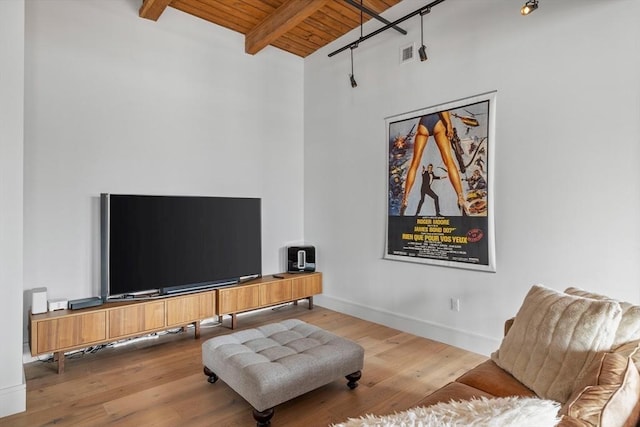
(440,185)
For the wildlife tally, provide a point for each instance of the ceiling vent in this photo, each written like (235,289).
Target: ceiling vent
(407,53)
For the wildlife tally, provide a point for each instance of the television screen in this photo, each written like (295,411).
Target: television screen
(171,243)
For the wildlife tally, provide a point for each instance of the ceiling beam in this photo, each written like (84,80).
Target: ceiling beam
(281,21)
(152,9)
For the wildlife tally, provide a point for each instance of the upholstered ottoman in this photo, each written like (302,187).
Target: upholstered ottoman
(277,362)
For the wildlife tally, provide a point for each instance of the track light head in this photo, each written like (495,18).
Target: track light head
(529,7)
(423,53)
(352,79)
(423,49)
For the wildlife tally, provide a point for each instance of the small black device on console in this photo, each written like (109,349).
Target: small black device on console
(85,303)
(301,259)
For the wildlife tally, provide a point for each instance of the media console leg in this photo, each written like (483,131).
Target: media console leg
(59,357)
(196,326)
(234,320)
(310,302)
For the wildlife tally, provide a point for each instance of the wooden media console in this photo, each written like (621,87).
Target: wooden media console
(65,330)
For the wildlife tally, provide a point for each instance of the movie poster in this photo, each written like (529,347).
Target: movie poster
(440,184)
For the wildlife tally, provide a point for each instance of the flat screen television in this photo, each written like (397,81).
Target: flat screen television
(169,244)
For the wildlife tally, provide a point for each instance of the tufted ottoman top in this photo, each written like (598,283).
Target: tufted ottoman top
(277,362)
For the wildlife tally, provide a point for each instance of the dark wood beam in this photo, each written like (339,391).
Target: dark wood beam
(282,20)
(152,9)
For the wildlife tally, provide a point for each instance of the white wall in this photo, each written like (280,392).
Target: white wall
(120,104)
(567,145)
(12,382)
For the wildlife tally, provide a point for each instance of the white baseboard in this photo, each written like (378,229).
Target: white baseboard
(13,399)
(466,340)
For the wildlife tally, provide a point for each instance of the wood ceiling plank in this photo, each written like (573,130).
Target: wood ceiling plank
(318,30)
(227,10)
(258,9)
(313,28)
(267,6)
(222,15)
(347,13)
(391,3)
(152,9)
(377,6)
(280,22)
(305,38)
(328,19)
(305,41)
(289,46)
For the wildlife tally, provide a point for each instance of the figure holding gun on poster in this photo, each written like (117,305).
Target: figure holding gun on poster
(439,125)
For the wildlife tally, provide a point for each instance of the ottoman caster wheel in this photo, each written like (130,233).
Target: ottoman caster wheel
(212,376)
(353,379)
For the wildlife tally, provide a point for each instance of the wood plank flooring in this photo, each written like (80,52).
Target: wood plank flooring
(160,382)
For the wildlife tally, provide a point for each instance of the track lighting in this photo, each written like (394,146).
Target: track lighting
(423,10)
(351,77)
(529,7)
(423,49)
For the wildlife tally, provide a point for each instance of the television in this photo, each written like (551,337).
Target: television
(162,245)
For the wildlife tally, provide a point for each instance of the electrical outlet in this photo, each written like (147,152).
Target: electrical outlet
(455,304)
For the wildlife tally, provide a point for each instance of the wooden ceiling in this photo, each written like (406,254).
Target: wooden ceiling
(297,26)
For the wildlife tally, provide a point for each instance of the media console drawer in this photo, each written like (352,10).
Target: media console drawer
(69,332)
(274,292)
(189,308)
(238,298)
(306,285)
(137,318)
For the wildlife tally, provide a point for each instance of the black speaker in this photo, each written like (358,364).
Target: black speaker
(301,259)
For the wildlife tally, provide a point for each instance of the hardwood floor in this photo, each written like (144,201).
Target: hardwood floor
(160,382)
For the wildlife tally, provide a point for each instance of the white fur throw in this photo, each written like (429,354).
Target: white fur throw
(483,412)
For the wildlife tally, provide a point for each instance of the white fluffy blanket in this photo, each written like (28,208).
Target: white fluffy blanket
(497,412)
